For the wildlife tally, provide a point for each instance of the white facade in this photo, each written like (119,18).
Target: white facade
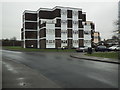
(50,35)
(63,27)
(87,34)
(75,28)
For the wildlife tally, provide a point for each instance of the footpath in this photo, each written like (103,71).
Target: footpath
(92,58)
(17,75)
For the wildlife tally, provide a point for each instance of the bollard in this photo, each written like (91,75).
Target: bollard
(89,51)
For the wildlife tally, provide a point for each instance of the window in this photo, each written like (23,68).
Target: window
(81,34)
(58,23)
(69,13)
(69,23)
(57,33)
(64,41)
(50,41)
(75,41)
(79,14)
(80,24)
(75,32)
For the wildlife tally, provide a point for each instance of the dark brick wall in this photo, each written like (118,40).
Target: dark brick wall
(79,14)
(43,43)
(28,43)
(46,15)
(49,14)
(69,33)
(57,32)
(42,33)
(58,23)
(31,25)
(57,43)
(69,43)
(31,34)
(69,13)
(42,25)
(69,23)
(31,16)
(81,42)
(80,24)
(81,33)
(57,13)
(84,17)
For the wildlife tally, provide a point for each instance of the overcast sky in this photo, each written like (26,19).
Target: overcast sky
(103,14)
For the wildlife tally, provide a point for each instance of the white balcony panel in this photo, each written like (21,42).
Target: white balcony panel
(63,44)
(75,36)
(63,14)
(63,26)
(50,45)
(75,45)
(50,26)
(63,36)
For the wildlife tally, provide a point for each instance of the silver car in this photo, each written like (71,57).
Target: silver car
(115,48)
(82,49)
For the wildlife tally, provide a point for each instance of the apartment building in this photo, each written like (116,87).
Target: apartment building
(57,27)
(89,29)
(96,38)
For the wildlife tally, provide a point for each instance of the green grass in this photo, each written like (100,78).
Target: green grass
(17,48)
(113,55)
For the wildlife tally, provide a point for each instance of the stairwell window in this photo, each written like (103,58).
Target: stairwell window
(75,32)
(50,41)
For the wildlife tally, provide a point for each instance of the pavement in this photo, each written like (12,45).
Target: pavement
(17,75)
(57,68)
(92,58)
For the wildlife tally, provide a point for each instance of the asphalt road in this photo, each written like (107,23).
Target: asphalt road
(68,72)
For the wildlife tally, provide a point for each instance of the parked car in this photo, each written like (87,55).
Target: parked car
(118,48)
(115,48)
(101,48)
(82,49)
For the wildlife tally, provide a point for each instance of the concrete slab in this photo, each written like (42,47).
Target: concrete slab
(17,75)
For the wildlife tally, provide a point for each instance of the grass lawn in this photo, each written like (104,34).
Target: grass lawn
(113,55)
(17,48)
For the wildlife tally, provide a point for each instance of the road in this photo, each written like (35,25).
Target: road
(68,72)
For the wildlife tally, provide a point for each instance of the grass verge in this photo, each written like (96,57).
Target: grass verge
(17,48)
(112,55)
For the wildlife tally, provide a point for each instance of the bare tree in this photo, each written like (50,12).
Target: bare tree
(13,39)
